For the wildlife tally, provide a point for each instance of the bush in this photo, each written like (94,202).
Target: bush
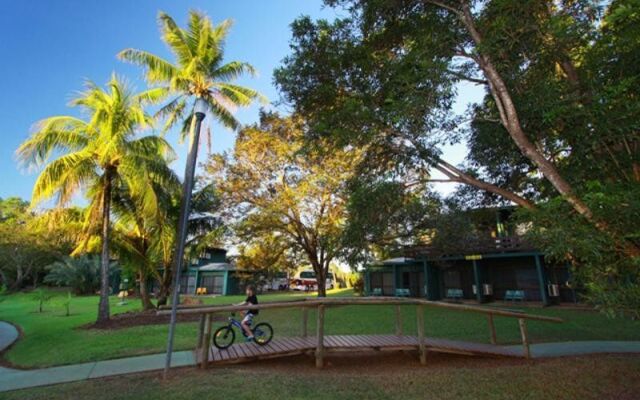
(358,285)
(81,274)
(41,296)
(610,278)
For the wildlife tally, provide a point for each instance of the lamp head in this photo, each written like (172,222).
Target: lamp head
(200,108)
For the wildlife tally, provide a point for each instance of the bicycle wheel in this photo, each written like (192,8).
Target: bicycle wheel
(262,333)
(224,337)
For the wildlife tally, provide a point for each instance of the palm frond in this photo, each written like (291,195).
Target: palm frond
(239,95)
(152,96)
(172,112)
(64,176)
(55,133)
(175,37)
(233,70)
(222,113)
(157,69)
(152,147)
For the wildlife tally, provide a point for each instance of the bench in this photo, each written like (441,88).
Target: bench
(376,292)
(513,295)
(403,292)
(455,294)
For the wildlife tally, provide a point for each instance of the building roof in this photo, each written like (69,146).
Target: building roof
(397,260)
(217,267)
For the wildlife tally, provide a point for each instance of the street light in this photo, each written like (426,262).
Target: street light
(185,208)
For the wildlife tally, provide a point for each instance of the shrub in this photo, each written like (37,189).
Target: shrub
(358,285)
(41,296)
(65,302)
(81,274)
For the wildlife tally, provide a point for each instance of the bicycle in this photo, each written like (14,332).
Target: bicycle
(224,336)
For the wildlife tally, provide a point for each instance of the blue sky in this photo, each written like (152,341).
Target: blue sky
(49,48)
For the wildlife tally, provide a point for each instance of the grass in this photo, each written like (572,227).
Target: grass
(386,377)
(50,338)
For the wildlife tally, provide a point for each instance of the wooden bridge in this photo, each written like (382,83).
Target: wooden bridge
(319,344)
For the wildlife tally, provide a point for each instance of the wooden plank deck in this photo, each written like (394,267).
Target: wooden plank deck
(283,347)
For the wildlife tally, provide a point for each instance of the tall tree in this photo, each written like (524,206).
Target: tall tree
(141,240)
(276,192)
(199,71)
(100,154)
(27,244)
(198,74)
(403,58)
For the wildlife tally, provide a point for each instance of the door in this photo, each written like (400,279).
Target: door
(213,283)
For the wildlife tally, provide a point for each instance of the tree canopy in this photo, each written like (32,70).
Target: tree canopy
(278,194)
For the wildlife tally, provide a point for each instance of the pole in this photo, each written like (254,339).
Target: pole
(478,280)
(320,337)
(542,281)
(185,209)
(422,349)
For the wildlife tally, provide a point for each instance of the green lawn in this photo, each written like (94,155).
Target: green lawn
(383,377)
(53,339)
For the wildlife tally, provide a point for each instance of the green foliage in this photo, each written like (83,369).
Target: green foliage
(67,304)
(383,214)
(81,274)
(41,296)
(27,244)
(357,284)
(611,280)
(383,78)
(105,156)
(277,194)
(47,331)
(198,71)
(64,301)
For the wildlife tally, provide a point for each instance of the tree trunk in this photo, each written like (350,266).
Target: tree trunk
(144,292)
(321,277)
(457,175)
(165,286)
(510,120)
(103,307)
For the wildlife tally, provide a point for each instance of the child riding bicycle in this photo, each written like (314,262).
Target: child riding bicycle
(251,300)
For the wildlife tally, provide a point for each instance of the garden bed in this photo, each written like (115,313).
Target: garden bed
(138,318)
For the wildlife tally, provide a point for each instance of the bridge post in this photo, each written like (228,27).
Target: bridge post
(305,318)
(420,325)
(398,321)
(201,331)
(206,344)
(320,345)
(525,339)
(492,329)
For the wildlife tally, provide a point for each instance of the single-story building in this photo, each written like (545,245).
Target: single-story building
(213,272)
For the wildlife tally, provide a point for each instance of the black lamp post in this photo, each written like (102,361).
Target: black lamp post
(185,209)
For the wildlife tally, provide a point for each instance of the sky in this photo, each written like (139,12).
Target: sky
(50,48)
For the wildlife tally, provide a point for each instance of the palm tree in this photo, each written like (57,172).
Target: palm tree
(198,73)
(143,242)
(100,153)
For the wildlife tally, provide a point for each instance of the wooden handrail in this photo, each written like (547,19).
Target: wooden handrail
(205,333)
(347,301)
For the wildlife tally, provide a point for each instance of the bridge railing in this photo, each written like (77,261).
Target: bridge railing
(206,313)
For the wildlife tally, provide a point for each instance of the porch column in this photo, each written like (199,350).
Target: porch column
(395,278)
(542,281)
(478,280)
(367,281)
(224,283)
(425,282)
(197,284)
